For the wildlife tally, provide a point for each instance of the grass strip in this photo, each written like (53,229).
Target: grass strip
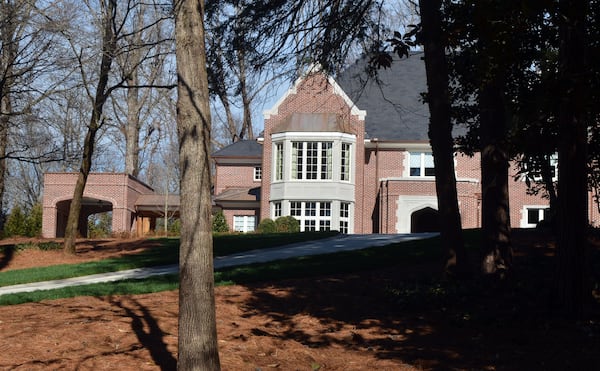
(301,267)
(165,254)
(126,287)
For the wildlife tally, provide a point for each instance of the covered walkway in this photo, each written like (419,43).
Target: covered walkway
(134,205)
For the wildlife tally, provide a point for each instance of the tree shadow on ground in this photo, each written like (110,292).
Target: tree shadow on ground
(7,254)
(147,330)
(402,314)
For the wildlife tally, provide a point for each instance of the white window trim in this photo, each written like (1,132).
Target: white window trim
(538,178)
(525,216)
(422,154)
(286,139)
(246,220)
(321,160)
(257,173)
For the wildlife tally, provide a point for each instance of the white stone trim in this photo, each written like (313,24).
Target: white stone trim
(409,204)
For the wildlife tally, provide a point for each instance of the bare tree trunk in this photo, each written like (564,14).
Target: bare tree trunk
(198,349)
(132,126)
(495,213)
(573,290)
(220,86)
(440,135)
(246,131)
(108,49)
(496,249)
(5,110)
(8,55)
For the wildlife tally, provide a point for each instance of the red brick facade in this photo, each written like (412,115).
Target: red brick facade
(386,197)
(103,192)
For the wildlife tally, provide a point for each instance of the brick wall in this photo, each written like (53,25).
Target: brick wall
(120,190)
(234,175)
(315,94)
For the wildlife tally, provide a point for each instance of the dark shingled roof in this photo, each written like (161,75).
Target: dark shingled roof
(241,148)
(239,194)
(395,110)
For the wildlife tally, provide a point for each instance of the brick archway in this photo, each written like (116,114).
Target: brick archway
(116,192)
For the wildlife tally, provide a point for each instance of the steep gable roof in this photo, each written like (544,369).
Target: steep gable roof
(395,109)
(354,109)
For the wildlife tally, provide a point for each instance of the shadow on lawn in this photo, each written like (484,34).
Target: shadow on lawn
(402,313)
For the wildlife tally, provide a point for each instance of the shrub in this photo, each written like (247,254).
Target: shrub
(267,226)
(15,223)
(175,227)
(219,224)
(33,221)
(287,224)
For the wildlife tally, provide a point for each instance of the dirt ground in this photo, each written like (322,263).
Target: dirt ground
(341,322)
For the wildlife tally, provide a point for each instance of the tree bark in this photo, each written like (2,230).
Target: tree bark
(132,126)
(198,349)
(497,254)
(247,132)
(573,290)
(5,111)
(440,135)
(8,57)
(492,69)
(109,46)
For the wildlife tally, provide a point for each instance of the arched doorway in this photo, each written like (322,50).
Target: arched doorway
(89,206)
(425,220)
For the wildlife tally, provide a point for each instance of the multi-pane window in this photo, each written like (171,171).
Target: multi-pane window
(279,161)
(257,173)
(277,209)
(312,215)
(312,160)
(325,216)
(326,160)
(421,164)
(344,216)
(345,162)
(296,209)
(244,223)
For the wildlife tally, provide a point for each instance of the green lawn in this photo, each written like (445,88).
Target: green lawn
(165,254)
(342,262)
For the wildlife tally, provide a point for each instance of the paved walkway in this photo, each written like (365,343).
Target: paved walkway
(324,246)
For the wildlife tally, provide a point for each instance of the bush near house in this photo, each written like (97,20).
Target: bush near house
(287,224)
(266,226)
(219,224)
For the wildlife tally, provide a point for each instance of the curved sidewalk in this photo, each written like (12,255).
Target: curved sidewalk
(317,247)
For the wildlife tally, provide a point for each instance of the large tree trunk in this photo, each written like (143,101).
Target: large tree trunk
(108,50)
(495,213)
(573,291)
(198,349)
(8,58)
(496,249)
(440,135)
